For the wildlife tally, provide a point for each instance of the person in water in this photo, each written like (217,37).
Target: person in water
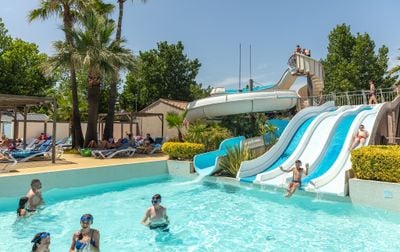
(296,179)
(156,216)
(41,242)
(86,239)
(360,137)
(21,211)
(34,195)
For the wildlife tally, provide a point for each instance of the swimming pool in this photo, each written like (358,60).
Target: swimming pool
(205,216)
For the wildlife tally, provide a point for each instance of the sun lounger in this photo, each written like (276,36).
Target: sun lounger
(157,145)
(25,155)
(125,151)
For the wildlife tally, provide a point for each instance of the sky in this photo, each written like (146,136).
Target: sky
(212,30)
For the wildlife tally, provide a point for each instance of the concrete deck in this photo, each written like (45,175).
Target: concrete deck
(73,161)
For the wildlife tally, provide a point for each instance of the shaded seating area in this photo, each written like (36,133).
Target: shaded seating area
(14,104)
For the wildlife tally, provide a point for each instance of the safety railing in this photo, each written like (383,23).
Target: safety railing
(352,97)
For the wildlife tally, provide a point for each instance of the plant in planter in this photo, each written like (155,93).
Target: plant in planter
(230,164)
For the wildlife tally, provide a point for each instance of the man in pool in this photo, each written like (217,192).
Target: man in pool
(296,178)
(34,195)
(156,216)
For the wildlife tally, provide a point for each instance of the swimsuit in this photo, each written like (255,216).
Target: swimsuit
(162,227)
(83,246)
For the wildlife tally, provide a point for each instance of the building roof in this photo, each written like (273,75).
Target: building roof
(29,117)
(173,103)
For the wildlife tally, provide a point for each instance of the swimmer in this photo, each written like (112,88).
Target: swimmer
(156,216)
(86,239)
(41,242)
(34,195)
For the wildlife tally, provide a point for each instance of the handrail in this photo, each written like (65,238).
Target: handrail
(356,97)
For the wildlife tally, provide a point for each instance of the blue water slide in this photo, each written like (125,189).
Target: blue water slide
(288,150)
(207,163)
(334,148)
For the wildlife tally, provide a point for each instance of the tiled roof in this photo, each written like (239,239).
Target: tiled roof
(173,103)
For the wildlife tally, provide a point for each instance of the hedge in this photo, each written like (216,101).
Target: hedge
(178,150)
(380,163)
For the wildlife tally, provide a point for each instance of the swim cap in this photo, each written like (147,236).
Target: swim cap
(87,217)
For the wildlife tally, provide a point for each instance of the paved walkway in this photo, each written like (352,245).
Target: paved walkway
(73,161)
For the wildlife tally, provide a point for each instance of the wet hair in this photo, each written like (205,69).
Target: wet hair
(298,161)
(21,204)
(156,196)
(35,181)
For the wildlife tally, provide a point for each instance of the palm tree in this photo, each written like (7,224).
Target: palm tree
(95,51)
(174,120)
(69,11)
(109,127)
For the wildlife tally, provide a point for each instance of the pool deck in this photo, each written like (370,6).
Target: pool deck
(73,161)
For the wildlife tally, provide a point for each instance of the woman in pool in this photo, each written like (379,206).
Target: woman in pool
(156,216)
(41,242)
(87,239)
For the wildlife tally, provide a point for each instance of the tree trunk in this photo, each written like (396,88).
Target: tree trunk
(112,98)
(93,110)
(109,127)
(77,136)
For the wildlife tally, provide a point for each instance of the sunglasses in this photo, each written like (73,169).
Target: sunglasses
(42,236)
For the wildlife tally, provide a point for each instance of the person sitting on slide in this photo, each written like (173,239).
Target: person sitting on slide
(360,137)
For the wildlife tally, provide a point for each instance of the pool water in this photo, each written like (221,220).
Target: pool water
(204,216)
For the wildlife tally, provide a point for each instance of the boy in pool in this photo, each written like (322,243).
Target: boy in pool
(156,216)
(34,195)
(296,179)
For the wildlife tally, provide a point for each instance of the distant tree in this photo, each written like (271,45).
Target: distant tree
(396,69)
(165,72)
(20,68)
(351,62)
(112,89)
(5,39)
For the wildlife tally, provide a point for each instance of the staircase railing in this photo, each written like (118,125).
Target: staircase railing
(352,97)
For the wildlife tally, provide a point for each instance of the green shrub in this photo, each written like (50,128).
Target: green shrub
(177,150)
(381,163)
(208,135)
(230,164)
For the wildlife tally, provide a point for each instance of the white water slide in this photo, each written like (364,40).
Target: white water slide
(251,168)
(274,98)
(314,148)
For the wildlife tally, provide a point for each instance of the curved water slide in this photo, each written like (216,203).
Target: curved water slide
(313,141)
(241,103)
(207,163)
(291,135)
(275,97)
(334,180)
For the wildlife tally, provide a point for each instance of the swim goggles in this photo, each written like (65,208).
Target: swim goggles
(40,237)
(87,218)
(155,201)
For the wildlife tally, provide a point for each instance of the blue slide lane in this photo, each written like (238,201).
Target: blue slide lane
(204,163)
(294,142)
(333,150)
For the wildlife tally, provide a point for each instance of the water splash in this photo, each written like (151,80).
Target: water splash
(194,181)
